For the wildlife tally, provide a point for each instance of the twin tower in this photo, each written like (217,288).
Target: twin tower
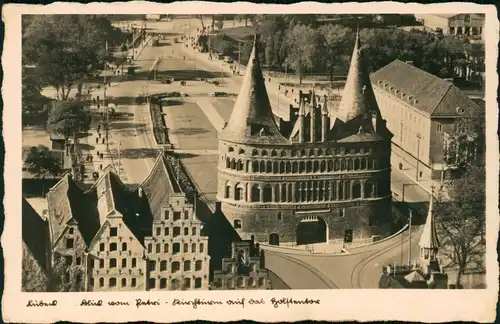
(321,175)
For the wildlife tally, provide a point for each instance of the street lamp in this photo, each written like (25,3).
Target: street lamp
(409,237)
(419,137)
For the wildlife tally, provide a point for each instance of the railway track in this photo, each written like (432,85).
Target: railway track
(306,266)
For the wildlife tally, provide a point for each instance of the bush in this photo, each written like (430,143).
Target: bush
(159,127)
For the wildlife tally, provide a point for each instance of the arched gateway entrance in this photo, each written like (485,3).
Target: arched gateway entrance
(312,229)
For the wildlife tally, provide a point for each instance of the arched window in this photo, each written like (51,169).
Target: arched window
(186,248)
(176,266)
(202,247)
(283,153)
(124,282)
(247,166)
(124,246)
(239,165)
(342,165)
(150,248)
(163,265)
(356,190)
(356,164)
(295,167)
(238,192)
(311,152)
(322,166)
(165,248)
(233,164)
(290,192)
(262,166)
(288,167)
(269,167)
(255,153)
(255,193)
(227,192)
(176,248)
(241,152)
(152,265)
(282,167)
(330,166)
(113,247)
(349,165)
(187,265)
(320,152)
(230,149)
(341,190)
(112,282)
(370,164)
(283,192)
(275,167)
(163,283)
(375,164)
(274,153)
(347,190)
(198,265)
(294,153)
(267,194)
(228,163)
(336,165)
(302,167)
(363,164)
(369,189)
(101,282)
(187,283)
(174,284)
(193,248)
(328,151)
(193,231)
(230,284)
(255,166)
(308,166)
(276,192)
(263,153)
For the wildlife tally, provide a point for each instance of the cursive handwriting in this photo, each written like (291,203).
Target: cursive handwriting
(90,302)
(147,302)
(290,301)
(118,303)
(195,302)
(41,303)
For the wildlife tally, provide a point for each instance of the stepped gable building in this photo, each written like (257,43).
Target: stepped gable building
(421,111)
(244,270)
(117,236)
(177,249)
(329,174)
(36,243)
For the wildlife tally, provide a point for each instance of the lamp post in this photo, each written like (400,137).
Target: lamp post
(419,137)
(409,237)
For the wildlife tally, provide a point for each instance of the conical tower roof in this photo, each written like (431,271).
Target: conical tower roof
(358,98)
(252,120)
(429,239)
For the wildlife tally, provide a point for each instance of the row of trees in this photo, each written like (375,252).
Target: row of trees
(303,45)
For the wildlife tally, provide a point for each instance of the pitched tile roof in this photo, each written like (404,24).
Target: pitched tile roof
(36,235)
(158,187)
(252,120)
(434,96)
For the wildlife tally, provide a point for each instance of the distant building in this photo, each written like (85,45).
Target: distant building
(125,240)
(243,270)
(310,180)
(454,24)
(421,110)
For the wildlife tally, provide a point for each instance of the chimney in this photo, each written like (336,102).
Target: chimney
(140,192)
(410,63)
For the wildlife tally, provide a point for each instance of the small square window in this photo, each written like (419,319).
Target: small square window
(78,261)
(71,231)
(439,128)
(166,215)
(279,216)
(158,231)
(113,231)
(112,282)
(133,284)
(177,216)
(237,224)
(177,231)
(102,246)
(186,231)
(342,212)
(124,263)
(112,263)
(101,263)
(134,262)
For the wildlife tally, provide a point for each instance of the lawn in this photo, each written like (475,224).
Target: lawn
(224,107)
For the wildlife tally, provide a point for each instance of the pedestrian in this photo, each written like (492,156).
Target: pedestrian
(279,87)
(100,167)
(99,135)
(103,140)
(88,158)
(292,90)
(98,154)
(94,101)
(99,107)
(98,96)
(102,154)
(98,128)
(97,140)
(269,79)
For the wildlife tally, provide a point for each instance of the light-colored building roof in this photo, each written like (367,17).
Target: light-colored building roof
(252,120)
(432,95)
(429,239)
(414,276)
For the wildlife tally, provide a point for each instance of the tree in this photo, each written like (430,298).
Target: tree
(42,162)
(303,49)
(67,49)
(67,118)
(461,221)
(34,279)
(335,41)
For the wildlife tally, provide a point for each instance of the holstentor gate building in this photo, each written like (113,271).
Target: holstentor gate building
(309,179)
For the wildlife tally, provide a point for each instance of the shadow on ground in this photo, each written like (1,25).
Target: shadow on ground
(183,75)
(189,131)
(139,153)
(126,125)
(165,103)
(186,155)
